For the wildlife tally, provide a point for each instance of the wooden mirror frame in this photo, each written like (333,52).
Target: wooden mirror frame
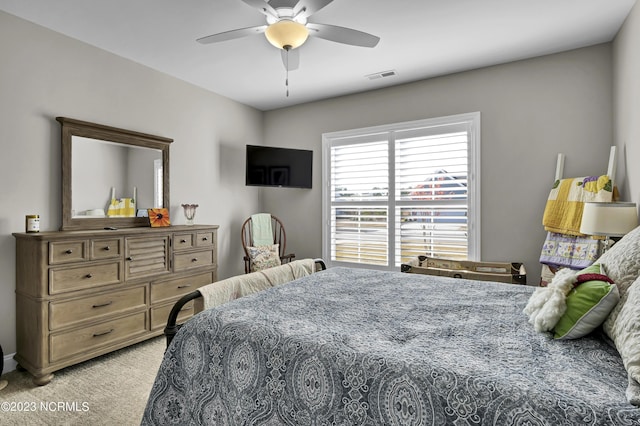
(72,127)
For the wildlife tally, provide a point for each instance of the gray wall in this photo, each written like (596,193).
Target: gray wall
(531,110)
(44,75)
(626,83)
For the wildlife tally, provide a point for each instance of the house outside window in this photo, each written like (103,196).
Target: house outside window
(393,192)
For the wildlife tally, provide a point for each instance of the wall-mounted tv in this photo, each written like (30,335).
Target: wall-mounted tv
(282,167)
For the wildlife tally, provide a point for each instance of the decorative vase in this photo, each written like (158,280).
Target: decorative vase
(189,212)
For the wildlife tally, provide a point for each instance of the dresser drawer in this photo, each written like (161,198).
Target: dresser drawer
(196,259)
(160,314)
(183,241)
(62,314)
(81,277)
(205,239)
(175,288)
(65,345)
(106,249)
(67,251)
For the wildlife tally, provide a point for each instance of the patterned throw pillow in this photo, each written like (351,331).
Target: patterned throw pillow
(263,257)
(588,304)
(625,331)
(622,262)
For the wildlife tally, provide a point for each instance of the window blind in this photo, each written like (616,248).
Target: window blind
(399,193)
(359,194)
(431,196)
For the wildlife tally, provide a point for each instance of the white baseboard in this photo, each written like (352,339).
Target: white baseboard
(9,363)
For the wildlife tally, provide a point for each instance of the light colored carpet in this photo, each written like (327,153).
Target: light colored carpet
(109,390)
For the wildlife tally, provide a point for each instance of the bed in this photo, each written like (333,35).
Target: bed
(362,347)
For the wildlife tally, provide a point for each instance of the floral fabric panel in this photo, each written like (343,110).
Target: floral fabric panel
(569,251)
(263,257)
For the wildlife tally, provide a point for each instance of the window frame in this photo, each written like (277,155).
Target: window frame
(467,121)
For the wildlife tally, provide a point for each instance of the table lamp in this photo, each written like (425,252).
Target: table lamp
(608,220)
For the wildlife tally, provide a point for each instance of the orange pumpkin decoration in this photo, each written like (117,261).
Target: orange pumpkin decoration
(159,217)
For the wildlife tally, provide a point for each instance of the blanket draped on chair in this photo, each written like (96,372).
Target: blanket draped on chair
(261,232)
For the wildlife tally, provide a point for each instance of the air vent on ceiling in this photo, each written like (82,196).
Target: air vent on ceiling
(382,74)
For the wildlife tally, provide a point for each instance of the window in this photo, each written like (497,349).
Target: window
(157,184)
(393,192)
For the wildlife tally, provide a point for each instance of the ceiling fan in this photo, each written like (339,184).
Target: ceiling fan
(287,28)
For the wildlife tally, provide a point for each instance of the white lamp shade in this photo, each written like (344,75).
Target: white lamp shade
(608,219)
(286,33)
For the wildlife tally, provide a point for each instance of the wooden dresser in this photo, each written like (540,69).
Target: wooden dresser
(80,294)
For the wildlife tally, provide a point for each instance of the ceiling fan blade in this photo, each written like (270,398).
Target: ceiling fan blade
(306,8)
(342,35)
(263,7)
(290,59)
(233,34)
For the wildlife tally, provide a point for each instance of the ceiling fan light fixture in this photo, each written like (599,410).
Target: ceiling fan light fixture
(286,33)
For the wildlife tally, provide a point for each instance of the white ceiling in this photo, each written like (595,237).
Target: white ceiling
(419,39)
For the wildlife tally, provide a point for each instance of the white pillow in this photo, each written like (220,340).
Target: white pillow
(622,261)
(624,330)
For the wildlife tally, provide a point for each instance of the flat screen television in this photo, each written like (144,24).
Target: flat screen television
(282,167)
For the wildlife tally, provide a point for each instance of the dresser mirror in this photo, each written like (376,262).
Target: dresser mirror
(110,176)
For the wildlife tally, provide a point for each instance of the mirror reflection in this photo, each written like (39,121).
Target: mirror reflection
(113,179)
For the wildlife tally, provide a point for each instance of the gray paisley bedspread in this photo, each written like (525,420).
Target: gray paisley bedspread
(361,347)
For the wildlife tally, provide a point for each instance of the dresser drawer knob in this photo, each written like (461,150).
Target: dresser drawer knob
(205,239)
(69,251)
(89,275)
(101,305)
(107,248)
(184,286)
(130,258)
(104,333)
(183,241)
(195,259)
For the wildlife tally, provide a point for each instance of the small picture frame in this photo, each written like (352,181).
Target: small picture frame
(159,217)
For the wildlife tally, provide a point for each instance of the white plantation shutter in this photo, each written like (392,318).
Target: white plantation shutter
(359,194)
(431,196)
(394,192)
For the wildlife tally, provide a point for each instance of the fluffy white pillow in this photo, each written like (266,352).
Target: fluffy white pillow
(548,304)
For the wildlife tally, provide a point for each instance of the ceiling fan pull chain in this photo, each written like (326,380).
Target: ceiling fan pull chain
(286,80)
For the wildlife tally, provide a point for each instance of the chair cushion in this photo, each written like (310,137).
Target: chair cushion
(263,257)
